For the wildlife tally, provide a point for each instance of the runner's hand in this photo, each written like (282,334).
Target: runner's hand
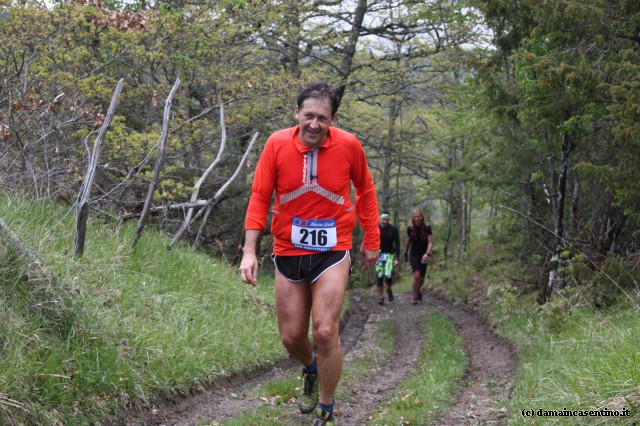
(367,257)
(249,268)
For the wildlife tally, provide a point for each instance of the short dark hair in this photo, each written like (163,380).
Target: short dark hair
(318,90)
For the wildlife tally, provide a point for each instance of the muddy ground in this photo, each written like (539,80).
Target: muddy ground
(480,399)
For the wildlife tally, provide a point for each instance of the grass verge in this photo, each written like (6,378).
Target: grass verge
(589,361)
(119,326)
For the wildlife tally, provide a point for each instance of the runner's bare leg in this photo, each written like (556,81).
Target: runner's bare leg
(328,294)
(293,307)
(416,284)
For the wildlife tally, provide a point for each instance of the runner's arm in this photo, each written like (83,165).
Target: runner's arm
(396,238)
(255,221)
(367,257)
(407,246)
(366,199)
(262,187)
(396,243)
(429,247)
(249,265)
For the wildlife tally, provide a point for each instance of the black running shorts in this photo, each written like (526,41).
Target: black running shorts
(309,267)
(417,265)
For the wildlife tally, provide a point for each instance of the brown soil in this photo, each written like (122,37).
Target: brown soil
(480,398)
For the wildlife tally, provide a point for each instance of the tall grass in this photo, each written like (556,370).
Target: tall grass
(122,324)
(590,361)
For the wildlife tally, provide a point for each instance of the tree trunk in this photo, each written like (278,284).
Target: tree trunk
(350,48)
(573,220)
(556,277)
(388,156)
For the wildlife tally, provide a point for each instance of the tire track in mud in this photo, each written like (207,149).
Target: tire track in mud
(480,397)
(230,397)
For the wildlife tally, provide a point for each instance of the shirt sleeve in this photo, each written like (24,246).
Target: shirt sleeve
(396,236)
(366,199)
(262,189)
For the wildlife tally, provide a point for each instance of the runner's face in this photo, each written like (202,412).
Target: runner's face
(417,219)
(385,222)
(314,118)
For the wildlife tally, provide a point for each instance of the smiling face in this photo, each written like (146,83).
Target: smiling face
(417,218)
(314,118)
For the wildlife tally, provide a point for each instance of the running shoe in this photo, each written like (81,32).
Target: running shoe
(390,294)
(323,418)
(380,300)
(310,394)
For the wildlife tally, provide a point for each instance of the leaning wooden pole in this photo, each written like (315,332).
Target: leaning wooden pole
(82,212)
(156,169)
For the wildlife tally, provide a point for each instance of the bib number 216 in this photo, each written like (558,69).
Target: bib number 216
(315,237)
(314,234)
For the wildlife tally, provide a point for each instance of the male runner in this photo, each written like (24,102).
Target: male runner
(310,167)
(389,255)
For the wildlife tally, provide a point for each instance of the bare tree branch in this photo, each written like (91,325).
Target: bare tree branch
(83,205)
(220,191)
(194,195)
(156,169)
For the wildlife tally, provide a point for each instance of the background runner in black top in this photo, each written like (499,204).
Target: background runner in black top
(417,251)
(389,256)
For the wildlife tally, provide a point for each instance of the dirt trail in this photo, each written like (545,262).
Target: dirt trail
(492,364)
(479,400)
(383,381)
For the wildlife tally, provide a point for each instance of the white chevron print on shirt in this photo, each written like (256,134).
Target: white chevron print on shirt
(310,181)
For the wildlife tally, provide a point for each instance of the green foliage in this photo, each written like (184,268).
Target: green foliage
(556,311)
(560,107)
(617,281)
(125,325)
(453,284)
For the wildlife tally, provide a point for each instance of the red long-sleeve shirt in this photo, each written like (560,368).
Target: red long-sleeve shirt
(313,187)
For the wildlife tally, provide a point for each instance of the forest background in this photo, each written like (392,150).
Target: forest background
(514,125)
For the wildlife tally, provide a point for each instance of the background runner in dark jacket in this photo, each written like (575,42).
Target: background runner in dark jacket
(389,256)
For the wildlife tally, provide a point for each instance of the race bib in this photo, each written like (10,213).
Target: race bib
(314,234)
